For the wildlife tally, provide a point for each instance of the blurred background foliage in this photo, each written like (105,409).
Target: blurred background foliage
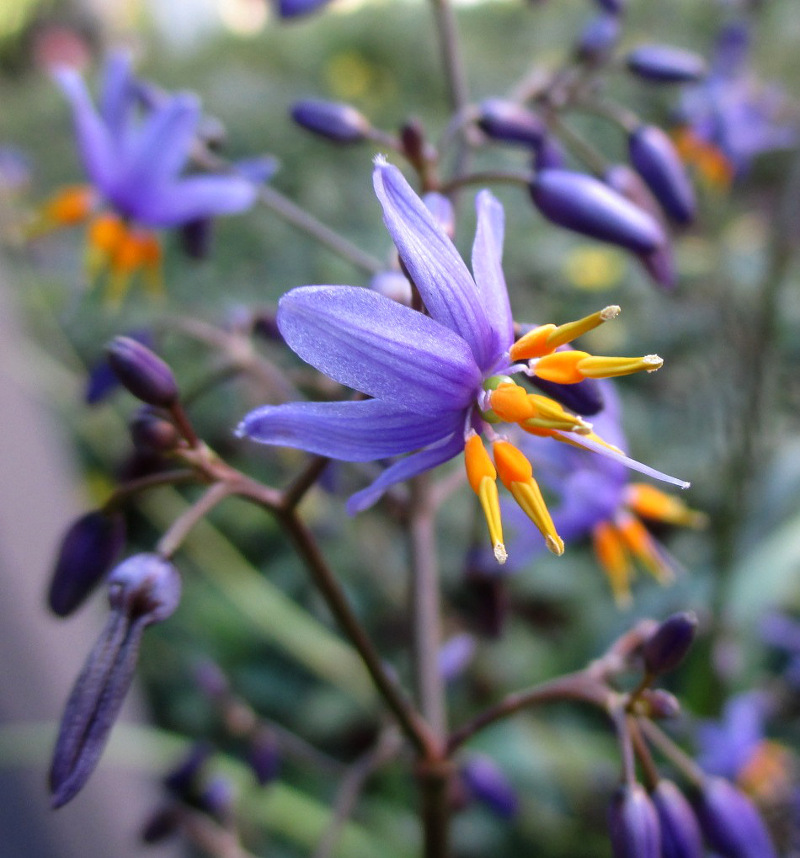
(247,604)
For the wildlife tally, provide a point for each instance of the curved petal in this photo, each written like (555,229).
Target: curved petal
(406,468)
(96,146)
(187,199)
(487,268)
(351,431)
(117,94)
(163,143)
(370,343)
(445,284)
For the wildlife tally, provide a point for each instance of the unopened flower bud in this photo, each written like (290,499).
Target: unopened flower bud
(392,284)
(161,825)
(217,799)
(633,824)
(731,823)
(442,209)
(585,205)
(150,432)
(142,372)
(658,704)
(415,144)
(665,64)
(615,6)
(584,398)
(87,551)
(183,779)
(680,831)
(658,163)
(264,756)
(510,122)
(298,8)
(598,38)
(549,155)
(488,784)
(145,586)
(196,237)
(455,654)
(335,121)
(670,642)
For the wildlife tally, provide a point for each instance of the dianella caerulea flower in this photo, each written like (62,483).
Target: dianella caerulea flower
(598,501)
(440,382)
(134,152)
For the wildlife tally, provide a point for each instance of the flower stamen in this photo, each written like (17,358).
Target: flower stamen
(545,339)
(482,478)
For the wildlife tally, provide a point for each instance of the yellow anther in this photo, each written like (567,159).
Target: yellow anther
(552,415)
(546,339)
(517,475)
(533,344)
(511,403)
(643,547)
(649,502)
(613,557)
(595,366)
(481,474)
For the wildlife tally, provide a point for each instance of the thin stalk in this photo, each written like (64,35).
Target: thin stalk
(171,541)
(132,488)
(672,752)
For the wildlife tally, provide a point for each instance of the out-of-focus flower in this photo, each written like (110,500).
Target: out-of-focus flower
(736,747)
(600,502)
(731,117)
(134,156)
(633,824)
(665,64)
(485,782)
(289,9)
(680,831)
(439,381)
(782,631)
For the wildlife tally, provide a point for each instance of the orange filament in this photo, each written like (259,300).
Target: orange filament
(649,502)
(613,557)
(516,473)
(481,474)
(642,545)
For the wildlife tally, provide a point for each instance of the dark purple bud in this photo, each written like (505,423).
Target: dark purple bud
(585,205)
(217,799)
(665,64)
(668,645)
(87,552)
(584,398)
(510,122)
(152,432)
(731,823)
(264,756)
(680,831)
(660,267)
(298,8)
(163,823)
(455,655)
(196,237)
(332,120)
(102,379)
(487,784)
(658,163)
(442,209)
(633,824)
(184,779)
(415,145)
(615,6)
(549,155)
(626,181)
(142,590)
(142,372)
(145,586)
(598,38)
(658,704)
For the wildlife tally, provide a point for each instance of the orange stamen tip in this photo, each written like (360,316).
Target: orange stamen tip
(533,344)
(512,466)
(561,367)
(511,403)
(478,462)
(649,502)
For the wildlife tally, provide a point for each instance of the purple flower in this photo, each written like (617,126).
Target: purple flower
(134,156)
(727,746)
(438,381)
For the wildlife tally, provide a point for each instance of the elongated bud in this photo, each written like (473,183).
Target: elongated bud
(150,432)
(183,779)
(487,783)
(598,38)
(658,704)
(264,756)
(658,163)
(615,6)
(298,8)
(665,64)
(731,823)
(585,397)
(585,205)
(633,824)
(416,146)
(510,122)
(455,655)
(142,372)
(549,155)
(339,122)
(680,831)
(87,551)
(670,642)
(196,237)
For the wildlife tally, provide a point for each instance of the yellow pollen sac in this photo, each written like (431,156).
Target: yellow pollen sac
(482,475)
(638,540)
(511,403)
(547,338)
(552,415)
(517,475)
(613,557)
(649,502)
